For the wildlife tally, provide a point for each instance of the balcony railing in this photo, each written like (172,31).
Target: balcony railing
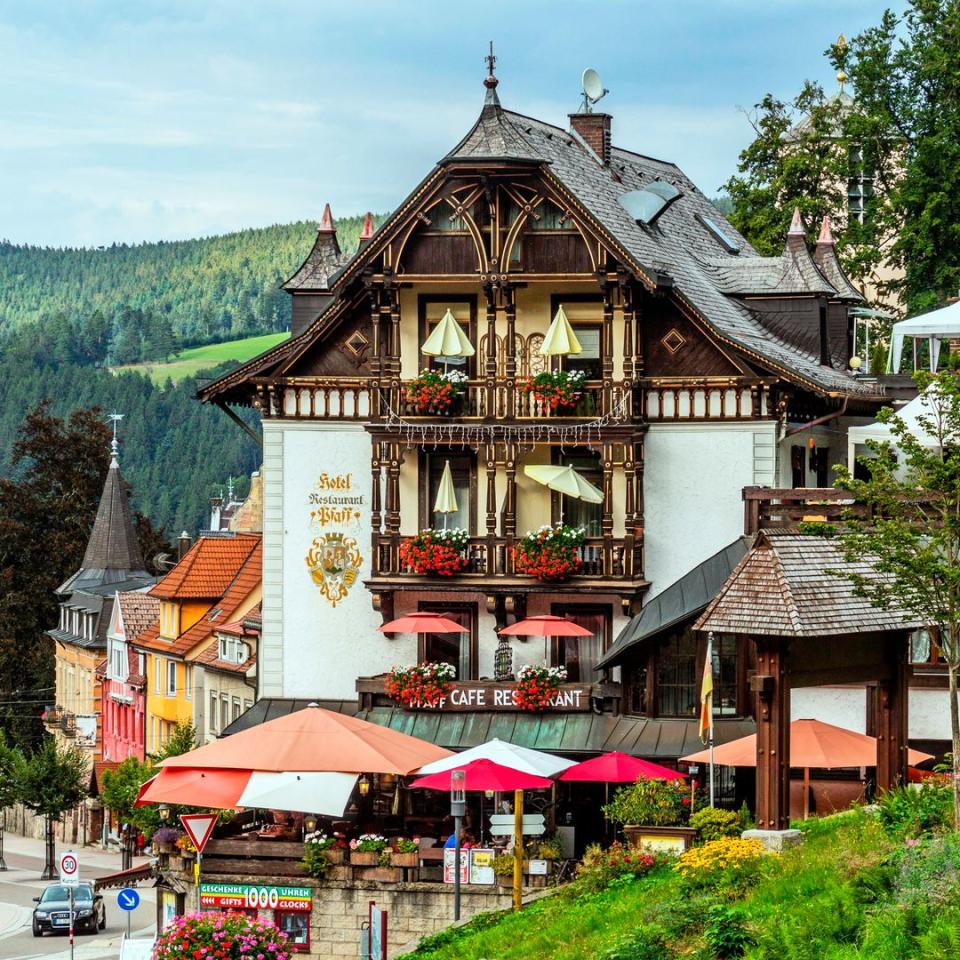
(602,558)
(709,398)
(766,507)
(312,398)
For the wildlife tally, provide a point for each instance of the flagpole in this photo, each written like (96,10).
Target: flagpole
(709,666)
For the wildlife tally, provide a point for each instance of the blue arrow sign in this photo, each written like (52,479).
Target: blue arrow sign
(128,899)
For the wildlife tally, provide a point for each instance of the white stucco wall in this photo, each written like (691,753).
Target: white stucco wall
(843,706)
(316,643)
(929,715)
(693,478)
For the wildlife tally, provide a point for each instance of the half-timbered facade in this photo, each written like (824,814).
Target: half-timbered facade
(708,368)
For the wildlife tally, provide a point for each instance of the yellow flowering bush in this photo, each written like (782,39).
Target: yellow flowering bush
(729,861)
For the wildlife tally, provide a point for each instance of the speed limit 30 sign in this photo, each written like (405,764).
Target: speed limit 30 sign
(69,869)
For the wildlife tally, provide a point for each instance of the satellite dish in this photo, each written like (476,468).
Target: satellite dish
(593,89)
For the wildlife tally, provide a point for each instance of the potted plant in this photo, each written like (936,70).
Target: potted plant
(654,815)
(549,848)
(316,861)
(215,934)
(164,839)
(503,869)
(422,685)
(186,846)
(435,393)
(405,852)
(550,554)
(557,390)
(334,846)
(365,850)
(438,552)
(537,687)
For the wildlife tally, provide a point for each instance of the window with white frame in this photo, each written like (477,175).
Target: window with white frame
(158,675)
(214,710)
(118,660)
(236,708)
(171,678)
(232,649)
(187,681)
(224,712)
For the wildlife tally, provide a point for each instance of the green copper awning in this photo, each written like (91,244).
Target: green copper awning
(566,733)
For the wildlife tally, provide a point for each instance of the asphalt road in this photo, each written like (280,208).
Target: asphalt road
(21,883)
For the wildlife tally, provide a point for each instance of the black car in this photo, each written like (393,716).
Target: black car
(52,910)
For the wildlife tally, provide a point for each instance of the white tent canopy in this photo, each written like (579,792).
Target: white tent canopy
(936,326)
(510,755)
(909,413)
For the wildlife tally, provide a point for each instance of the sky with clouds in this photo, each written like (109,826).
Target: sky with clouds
(165,119)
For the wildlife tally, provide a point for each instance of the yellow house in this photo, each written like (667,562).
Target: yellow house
(217,582)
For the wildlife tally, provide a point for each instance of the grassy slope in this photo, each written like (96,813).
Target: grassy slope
(189,362)
(800,909)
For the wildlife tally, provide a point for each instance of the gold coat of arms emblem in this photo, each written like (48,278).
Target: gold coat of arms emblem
(334,562)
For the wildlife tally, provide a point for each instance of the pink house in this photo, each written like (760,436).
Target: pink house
(124,682)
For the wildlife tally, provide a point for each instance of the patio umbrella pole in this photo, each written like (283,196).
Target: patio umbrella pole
(806,792)
(517,848)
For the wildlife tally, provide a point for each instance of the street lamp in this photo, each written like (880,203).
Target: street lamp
(458,807)
(164,812)
(364,786)
(310,822)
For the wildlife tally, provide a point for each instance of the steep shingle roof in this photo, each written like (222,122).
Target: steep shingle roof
(208,568)
(784,587)
(138,611)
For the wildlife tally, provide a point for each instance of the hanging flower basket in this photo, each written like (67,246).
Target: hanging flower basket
(550,554)
(422,685)
(559,390)
(537,687)
(439,552)
(435,393)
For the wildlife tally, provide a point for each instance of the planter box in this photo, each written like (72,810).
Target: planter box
(342,872)
(505,883)
(674,840)
(404,859)
(362,858)
(381,874)
(164,847)
(336,856)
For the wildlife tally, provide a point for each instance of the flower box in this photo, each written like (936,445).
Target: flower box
(556,390)
(335,855)
(404,859)
(421,685)
(435,394)
(672,840)
(379,874)
(342,872)
(537,687)
(164,847)
(439,553)
(364,858)
(505,882)
(550,554)
(178,863)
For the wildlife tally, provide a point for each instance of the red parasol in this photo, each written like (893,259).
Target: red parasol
(619,768)
(485,775)
(546,626)
(423,622)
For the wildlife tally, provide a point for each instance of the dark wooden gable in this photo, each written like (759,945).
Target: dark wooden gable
(342,350)
(678,347)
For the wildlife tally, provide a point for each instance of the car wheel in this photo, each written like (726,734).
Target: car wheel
(37,932)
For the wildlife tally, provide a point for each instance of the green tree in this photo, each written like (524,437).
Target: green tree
(797,159)
(51,781)
(913,531)
(906,78)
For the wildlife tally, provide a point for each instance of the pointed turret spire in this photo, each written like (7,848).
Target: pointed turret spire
(326,224)
(796,224)
(366,231)
(826,234)
(490,81)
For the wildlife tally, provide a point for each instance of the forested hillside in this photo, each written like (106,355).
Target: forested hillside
(66,314)
(121,304)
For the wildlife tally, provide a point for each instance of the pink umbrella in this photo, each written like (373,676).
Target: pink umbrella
(485,775)
(423,622)
(546,625)
(619,768)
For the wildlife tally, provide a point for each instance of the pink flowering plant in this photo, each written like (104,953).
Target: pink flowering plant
(221,936)
(369,843)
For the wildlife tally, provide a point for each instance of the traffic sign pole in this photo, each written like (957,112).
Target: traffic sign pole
(517,848)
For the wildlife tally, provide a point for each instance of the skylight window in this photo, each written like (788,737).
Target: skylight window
(718,234)
(647,204)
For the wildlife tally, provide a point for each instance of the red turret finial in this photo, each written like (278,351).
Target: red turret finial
(366,231)
(826,234)
(326,224)
(796,224)
(490,81)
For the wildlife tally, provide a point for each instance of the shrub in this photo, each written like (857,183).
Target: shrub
(315,860)
(601,867)
(929,872)
(730,861)
(918,811)
(220,936)
(726,932)
(646,942)
(712,823)
(503,865)
(655,803)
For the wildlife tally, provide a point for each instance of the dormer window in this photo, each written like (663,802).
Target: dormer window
(233,650)
(169,620)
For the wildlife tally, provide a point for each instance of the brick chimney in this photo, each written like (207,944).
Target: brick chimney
(594,130)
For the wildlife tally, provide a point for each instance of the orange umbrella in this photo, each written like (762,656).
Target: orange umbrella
(813,743)
(314,739)
(546,626)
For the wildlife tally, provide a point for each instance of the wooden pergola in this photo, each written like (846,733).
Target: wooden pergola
(811,628)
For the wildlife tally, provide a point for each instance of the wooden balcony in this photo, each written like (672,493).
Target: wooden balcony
(609,565)
(773,507)
(707,398)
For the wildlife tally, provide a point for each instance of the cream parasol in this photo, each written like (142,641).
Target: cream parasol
(446,501)
(446,340)
(560,340)
(566,481)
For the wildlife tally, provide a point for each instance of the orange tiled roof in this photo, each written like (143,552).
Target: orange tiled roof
(208,569)
(222,611)
(211,658)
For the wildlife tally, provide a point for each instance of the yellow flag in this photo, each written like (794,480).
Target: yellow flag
(706,695)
